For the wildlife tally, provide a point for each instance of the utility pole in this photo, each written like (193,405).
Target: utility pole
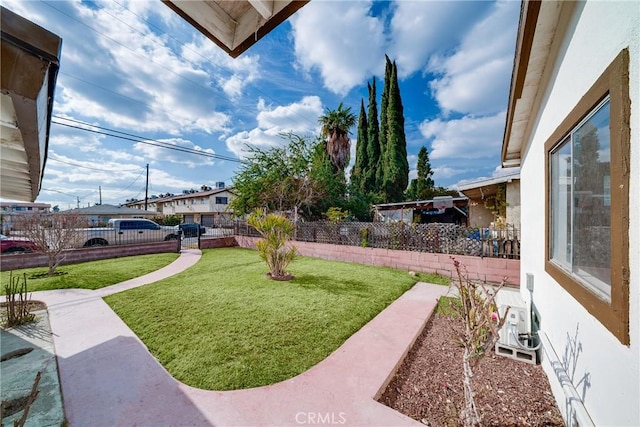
(146,189)
(100,191)
(78,202)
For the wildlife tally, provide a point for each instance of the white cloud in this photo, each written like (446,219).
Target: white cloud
(419,29)
(131,62)
(298,117)
(341,40)
(445,172)
(233,75)
(468,137)
(475,79)
(156,152)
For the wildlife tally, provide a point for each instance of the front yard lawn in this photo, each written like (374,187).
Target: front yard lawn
(223,325)
(93,274)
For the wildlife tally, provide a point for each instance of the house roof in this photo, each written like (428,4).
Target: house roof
(30,61)
(481,188)
(201,193)
(110,210)
(418,204)
(539,22)
(235,25)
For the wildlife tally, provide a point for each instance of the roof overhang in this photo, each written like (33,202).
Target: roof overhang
(536,31)
(30,61)
(235,25)
(483,188)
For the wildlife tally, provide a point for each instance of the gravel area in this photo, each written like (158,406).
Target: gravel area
(428,385)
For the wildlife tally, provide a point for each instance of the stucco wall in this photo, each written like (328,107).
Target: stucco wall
(479,216)
(513,203)
(489,269)
(605,372)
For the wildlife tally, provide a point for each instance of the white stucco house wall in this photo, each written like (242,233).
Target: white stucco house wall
(573,127)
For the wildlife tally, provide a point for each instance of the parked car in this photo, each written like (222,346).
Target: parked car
(10,245)
(191,229)
(122,231)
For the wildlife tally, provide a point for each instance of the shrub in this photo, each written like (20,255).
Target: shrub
(18,312)
(275,249)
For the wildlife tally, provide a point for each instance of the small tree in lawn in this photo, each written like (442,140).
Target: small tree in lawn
(275,249)
(52,233)
(477,333)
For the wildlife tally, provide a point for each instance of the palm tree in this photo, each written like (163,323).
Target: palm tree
(335,130)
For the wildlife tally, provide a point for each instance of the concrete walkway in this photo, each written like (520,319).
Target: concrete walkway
(109,378)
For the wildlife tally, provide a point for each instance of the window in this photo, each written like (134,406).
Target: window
(221,201)
(581,203)
(587,238)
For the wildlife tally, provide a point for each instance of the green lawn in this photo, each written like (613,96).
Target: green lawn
(223,325)
(94,274)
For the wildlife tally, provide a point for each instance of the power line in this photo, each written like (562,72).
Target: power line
(55,159)
(126,47)
(217,93)
(135,138)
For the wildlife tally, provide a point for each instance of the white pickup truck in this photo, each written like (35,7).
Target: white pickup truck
(124,231)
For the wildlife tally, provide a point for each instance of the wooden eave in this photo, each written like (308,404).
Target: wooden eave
(235,25)
(29,68)
(542,25)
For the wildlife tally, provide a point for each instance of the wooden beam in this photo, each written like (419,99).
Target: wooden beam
(264,7)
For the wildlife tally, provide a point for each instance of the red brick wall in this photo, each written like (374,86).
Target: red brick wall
(218,242)
(15,262)
(489,269)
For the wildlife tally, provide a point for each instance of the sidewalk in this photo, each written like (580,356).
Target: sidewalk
(109,378)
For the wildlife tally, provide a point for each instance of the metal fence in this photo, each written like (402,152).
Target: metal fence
(433,238)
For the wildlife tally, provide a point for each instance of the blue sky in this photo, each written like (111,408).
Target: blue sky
(137,67)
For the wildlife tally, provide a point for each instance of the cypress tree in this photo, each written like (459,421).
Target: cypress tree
(422,186)
(373,147)
(362,161)
(384,130)
(396,171)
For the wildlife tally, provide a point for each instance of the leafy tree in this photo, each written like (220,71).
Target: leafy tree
(277,179)
(362,161)
(331,185)
(396,166)
(274,248)
(421,186)
(373,144)
(497,203)
(335,129)
(336,215)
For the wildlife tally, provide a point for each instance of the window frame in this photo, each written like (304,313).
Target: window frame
(614,82)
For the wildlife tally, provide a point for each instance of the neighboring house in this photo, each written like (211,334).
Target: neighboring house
(208,207)
(98,215)
(444,209)
(153,204)
(573,127)
(482,192)
(29,64)
(10,210)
